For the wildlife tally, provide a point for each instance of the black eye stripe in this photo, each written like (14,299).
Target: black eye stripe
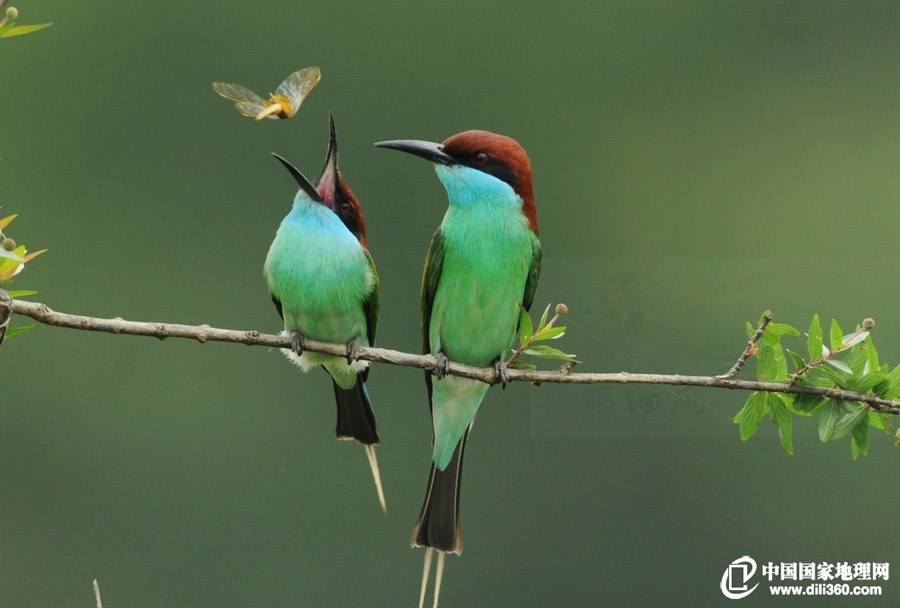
(486,163)
(499,170)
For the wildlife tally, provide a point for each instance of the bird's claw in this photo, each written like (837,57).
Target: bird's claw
(501,375)
(443,365)
(352,351)
(297,343)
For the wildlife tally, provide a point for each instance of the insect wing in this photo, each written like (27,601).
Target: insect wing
(251,109)
(248,103)
(298,85)
(236,92)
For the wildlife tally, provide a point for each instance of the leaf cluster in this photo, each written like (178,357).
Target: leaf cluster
(858,369)
(8,27)
(546,330)
(12,256)
(12,261)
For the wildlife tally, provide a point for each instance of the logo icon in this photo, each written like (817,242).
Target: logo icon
(735,579)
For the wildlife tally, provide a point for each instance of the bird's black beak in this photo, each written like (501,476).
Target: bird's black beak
(327,183)
(426,149)
(300,178)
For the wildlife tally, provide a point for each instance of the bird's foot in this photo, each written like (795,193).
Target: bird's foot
(501,375)
(352,351)
(297,343)
(443,365)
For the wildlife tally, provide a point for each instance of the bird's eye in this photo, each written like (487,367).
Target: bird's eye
(479,158)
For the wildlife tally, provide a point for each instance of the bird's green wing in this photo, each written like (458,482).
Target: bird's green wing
(277,304)
(534,274)
(434,263)
(372,305)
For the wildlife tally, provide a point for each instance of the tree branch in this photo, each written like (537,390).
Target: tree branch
(204,333)
(750,350)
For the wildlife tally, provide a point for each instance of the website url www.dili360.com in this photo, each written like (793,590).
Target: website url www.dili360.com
(825,589)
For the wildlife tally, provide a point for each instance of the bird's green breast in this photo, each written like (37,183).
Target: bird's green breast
(487,256)
(321,275)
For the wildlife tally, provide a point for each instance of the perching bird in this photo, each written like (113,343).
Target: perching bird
(482,266)
(324,284)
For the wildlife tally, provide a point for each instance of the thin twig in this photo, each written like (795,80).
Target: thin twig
(204,333)
(750,350)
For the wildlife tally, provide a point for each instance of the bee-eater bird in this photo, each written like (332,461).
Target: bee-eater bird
(325,287)
(482,266)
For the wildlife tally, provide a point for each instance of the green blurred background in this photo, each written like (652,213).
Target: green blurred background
(695,163)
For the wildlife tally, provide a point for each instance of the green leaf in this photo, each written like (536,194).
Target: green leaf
(798,361)
(854,339)
(781,416)
(524,365)
(10,255)
(830,413)
(814,339)
(771,365)
(837,336)
(816,381)
(805,404)
(21,293)
(18,30)
(750,330)
(857,360)
(780,364)
(525,327)
(839,365)
(880,420)
(881,388)
(751,414)
(869,347)
(787,399)
(850,419)
(766,366)
(860,434)
(769,338)
(782,329)
(865,383)
(11,331)
(551,333)
(893,390)
(838,379)
(543,322)
(548,352)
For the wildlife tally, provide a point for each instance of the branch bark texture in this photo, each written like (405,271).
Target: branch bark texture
(204,333)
